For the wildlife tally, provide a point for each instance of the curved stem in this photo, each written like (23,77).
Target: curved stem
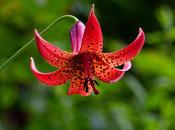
(13,57)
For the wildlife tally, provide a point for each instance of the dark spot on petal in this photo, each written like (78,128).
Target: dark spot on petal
(49,78)
(92,26)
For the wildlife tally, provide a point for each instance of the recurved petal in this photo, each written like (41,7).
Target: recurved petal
(77,87)
(126,54)
(53,78)
(52,54)
(109,74)
(126,66)
(92,38)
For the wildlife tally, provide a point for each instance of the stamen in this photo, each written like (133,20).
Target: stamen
(85,60)
(96,82)
(86,85)
(93,86)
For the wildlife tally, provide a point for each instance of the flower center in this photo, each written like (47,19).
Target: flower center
(87,63)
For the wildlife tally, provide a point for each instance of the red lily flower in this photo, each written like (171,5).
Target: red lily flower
(87,60)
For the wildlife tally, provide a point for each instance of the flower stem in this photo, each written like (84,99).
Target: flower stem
(13,57)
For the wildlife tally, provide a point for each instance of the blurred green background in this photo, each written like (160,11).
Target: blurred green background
(144,99)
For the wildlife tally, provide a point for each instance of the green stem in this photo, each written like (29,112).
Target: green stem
(13,57)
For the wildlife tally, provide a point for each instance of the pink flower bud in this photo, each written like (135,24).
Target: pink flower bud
(76,35)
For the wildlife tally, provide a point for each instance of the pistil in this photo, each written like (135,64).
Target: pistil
(86,59)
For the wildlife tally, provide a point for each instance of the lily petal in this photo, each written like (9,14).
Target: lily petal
(53,55)
(126,66)
(92,39)
(126,54)
(77,79)
(109,74)
(53,78)
(77,87)
(76,35)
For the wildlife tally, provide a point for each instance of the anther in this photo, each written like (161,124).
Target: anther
(96,82)
(93,86)
(86,85)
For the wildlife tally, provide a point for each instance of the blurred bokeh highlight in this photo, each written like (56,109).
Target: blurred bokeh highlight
(144,99)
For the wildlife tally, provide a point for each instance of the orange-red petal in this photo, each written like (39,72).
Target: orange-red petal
(77,86)
(78,75)
(52,54)
(126,54)
(53,78)
(108,74)
(92,38)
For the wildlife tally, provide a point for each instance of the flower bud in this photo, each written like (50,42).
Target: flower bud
(76,35)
